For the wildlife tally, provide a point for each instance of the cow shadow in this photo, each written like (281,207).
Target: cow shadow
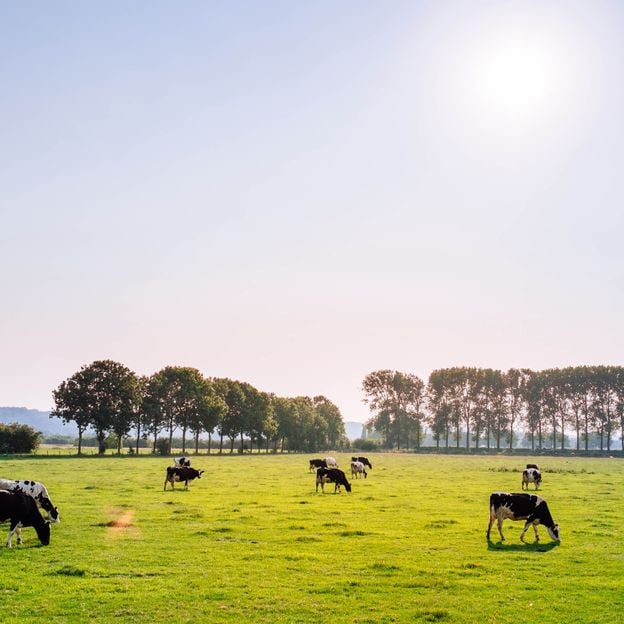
(534,547)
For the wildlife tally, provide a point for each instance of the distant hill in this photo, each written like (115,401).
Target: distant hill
(353,430)
(36,419)
(41,421)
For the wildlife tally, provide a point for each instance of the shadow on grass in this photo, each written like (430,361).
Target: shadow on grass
(534,547)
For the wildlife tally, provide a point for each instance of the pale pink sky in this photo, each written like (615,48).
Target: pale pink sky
(297,194)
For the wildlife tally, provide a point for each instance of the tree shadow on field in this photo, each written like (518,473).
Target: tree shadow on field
(534,547)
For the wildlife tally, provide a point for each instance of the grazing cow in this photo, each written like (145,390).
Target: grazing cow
(21,509)
(180,462)
(529,507)
(358,468)
(330,462)
(364,460)
(533,466)
(35,490)
(531,475)
(331,475)
(179,474)
(317,463)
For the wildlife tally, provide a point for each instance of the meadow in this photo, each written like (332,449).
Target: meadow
(252,541)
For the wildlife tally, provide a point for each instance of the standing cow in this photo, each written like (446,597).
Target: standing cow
(180,474)
(364,460)
(358,468)
(529,507)
(531,475)
(331,475)
(317,463)
(22,511)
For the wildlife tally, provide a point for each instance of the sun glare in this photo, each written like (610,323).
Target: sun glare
(517,81)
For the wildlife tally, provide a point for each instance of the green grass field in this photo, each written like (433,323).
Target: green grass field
(253,542)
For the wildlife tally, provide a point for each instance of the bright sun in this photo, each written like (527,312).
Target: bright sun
(517,81)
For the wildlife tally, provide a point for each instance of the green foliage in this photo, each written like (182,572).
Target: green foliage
(364,445)
(17,438)
(162,446)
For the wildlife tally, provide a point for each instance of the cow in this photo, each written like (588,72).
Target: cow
(358,468)
(179,474)
(529,507)
(21,509)
(531,475)
(364,460)
(533,466)
(317,463)
(331,475)
(180,462)
(37,491)
(330,462)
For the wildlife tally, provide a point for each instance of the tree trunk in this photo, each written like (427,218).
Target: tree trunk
(138,436)
(80,432)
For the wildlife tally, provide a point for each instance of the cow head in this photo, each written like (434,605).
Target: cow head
(554,533)
(43,533)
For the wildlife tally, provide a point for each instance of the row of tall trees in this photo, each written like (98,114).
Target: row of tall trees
(107,397)
(488,407)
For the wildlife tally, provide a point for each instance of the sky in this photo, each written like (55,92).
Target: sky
(296,194)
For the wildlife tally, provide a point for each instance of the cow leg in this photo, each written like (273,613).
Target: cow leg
(499,522)
(365,474)
(536,533)
(524,530)
(490,527)
(13,528)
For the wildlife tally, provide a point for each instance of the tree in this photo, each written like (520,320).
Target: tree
(331,416)
(234,398)
(178,393)
(101,395)
(396,398)
(516,392)
(18,438)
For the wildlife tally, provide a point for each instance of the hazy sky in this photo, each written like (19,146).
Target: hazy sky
(295,194)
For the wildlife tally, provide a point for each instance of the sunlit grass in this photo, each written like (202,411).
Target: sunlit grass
(252,541)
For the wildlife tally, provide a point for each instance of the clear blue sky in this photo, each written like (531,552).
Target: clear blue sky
(295,194)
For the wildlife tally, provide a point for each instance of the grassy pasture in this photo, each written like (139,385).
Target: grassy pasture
(252,541)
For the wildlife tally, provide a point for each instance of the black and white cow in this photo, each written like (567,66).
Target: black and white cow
(179,474)
(37,491)
(330,462)
(529,507)
(364,460)
(317,463)
(21,509)
(331,475)
(531,475)
(358,468)
(180,462)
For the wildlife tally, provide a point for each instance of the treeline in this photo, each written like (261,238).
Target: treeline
(110,399)
(477,407)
